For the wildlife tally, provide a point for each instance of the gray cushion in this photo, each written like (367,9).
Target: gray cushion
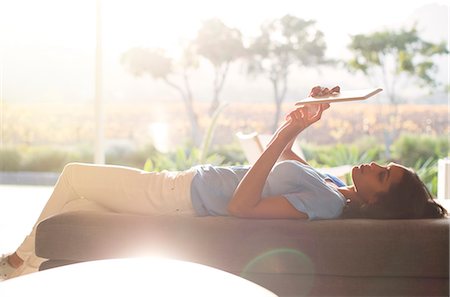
(358,248)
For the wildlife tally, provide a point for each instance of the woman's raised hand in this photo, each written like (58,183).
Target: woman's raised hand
(302,117)
(308,113)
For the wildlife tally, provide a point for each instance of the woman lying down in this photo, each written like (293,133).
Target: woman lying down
(280,185)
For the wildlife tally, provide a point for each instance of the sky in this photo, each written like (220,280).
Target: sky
(70,23)
(248,15)
(36,26)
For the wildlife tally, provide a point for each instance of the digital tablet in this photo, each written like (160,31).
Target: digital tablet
(343,96)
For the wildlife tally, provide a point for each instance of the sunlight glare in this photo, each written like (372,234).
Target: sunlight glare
(159,132)
(165,24)
(152,276)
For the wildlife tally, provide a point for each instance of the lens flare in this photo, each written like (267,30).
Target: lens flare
(282,261)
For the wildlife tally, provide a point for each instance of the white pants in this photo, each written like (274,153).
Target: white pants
(111,188)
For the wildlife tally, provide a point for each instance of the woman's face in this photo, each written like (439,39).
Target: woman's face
(372,179)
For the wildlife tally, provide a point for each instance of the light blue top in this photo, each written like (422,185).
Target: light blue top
(303,186)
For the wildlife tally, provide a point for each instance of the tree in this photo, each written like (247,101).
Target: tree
(283,44)
(395,56)
(220,45)
(155,62)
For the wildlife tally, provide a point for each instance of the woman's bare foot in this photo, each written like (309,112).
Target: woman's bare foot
(14,260)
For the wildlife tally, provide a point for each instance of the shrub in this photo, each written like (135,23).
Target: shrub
(9,160)
(127,156)
(181,159)
(427,171)
(81,154)
(411,149)
(232,154)
(343,154)
(51,159)
(45,159)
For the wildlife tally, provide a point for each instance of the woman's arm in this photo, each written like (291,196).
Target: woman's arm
(289,154)
(247,200)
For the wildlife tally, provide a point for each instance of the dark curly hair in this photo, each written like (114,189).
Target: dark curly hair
(407,199)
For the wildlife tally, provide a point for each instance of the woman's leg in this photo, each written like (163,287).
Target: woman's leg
(112,188)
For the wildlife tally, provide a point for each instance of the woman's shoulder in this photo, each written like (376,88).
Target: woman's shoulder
(297,170)
(295,165)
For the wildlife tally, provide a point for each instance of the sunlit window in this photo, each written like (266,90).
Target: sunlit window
(186,76)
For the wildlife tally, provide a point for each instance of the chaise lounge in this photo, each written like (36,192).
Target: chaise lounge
(357,257)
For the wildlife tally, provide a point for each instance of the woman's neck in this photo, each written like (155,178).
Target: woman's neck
(350,193)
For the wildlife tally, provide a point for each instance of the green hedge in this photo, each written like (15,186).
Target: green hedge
(53,159)
(414,149)
(41,158)
(10,160)
(409,150)
(420,152)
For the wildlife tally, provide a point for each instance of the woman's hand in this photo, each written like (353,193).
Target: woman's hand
(301,118)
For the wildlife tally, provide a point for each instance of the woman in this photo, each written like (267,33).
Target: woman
(279,185)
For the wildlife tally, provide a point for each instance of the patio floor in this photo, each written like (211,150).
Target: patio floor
(20,206)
